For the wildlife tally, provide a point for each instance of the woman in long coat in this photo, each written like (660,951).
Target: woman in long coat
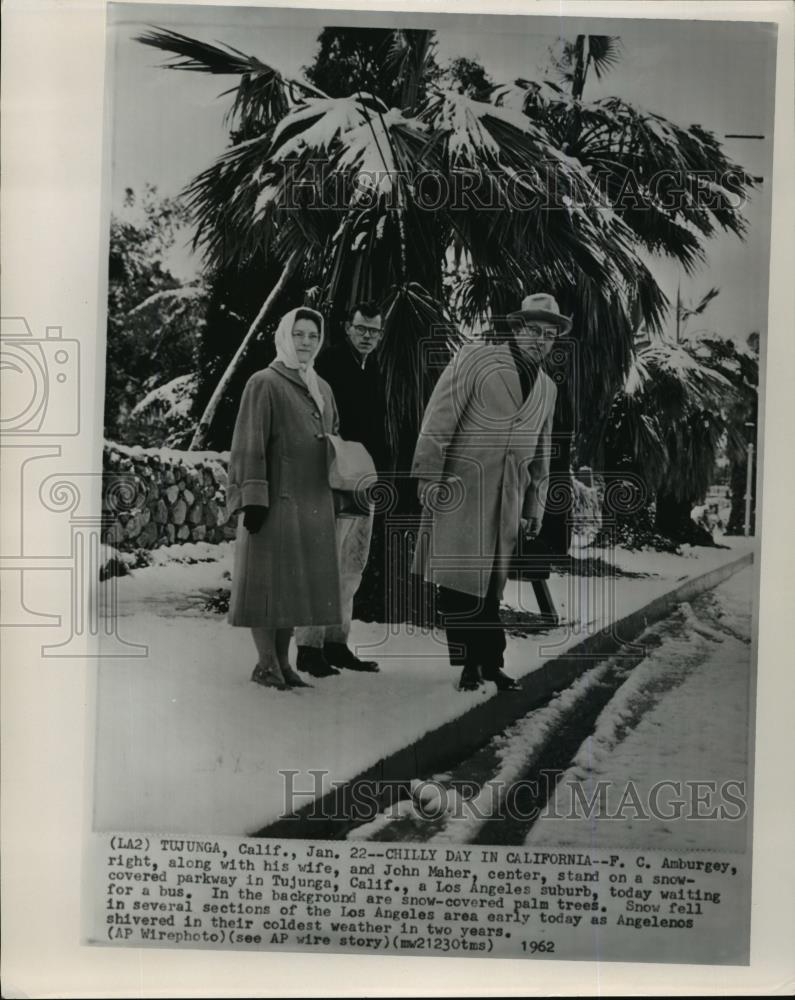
(482,459)
(285,571)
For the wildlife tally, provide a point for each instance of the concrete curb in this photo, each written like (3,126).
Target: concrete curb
(440,749)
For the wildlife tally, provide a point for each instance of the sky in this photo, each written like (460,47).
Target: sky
(168,126)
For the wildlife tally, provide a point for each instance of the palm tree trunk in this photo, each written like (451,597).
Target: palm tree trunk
(580,69)
(199,440)
(678,312)
(574,126)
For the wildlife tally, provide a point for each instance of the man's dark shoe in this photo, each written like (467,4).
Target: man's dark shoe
(501,679)
(338,654)
(312,661)
(470,679)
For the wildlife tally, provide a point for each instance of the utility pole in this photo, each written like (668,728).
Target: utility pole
(749,472)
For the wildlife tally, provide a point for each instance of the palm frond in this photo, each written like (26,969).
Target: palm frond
(604,53)
(671,185)
(315,125)
(222,199)
(197,56)
(700,307)
(263,95)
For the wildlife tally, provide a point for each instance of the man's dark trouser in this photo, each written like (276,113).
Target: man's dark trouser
(475,636)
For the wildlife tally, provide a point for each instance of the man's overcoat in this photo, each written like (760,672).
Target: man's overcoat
(490,451)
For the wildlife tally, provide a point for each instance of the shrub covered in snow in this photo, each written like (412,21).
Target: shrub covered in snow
(115,563)
(163,416)
(636,532)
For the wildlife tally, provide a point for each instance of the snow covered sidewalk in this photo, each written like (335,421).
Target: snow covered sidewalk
(187,744)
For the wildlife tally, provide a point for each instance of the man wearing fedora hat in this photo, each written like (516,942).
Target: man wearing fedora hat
(482,462)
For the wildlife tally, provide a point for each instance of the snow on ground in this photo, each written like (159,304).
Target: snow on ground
(682,716)
(700,670)
(589,603)
(186,743)
(458,820)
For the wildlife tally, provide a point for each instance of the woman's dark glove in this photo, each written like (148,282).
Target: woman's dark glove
(254,518)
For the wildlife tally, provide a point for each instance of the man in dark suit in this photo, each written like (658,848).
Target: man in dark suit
(351,369)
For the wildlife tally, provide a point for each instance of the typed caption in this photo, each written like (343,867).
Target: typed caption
(403,899)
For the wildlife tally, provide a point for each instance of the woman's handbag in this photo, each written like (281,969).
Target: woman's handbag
(351,471)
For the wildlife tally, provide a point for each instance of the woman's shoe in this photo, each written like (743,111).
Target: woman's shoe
(292,679)
(270,676)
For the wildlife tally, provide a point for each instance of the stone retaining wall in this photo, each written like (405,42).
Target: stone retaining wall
(158,496)
(161,496)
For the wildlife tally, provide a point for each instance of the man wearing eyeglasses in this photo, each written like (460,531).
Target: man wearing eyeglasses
(351,369)
(482,461)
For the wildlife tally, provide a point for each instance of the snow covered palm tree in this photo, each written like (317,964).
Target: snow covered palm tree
(367,195)
(667,426)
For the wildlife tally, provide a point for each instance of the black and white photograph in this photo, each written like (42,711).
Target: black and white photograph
(425,592)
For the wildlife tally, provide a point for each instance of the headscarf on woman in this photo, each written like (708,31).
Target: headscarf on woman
(285,350)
